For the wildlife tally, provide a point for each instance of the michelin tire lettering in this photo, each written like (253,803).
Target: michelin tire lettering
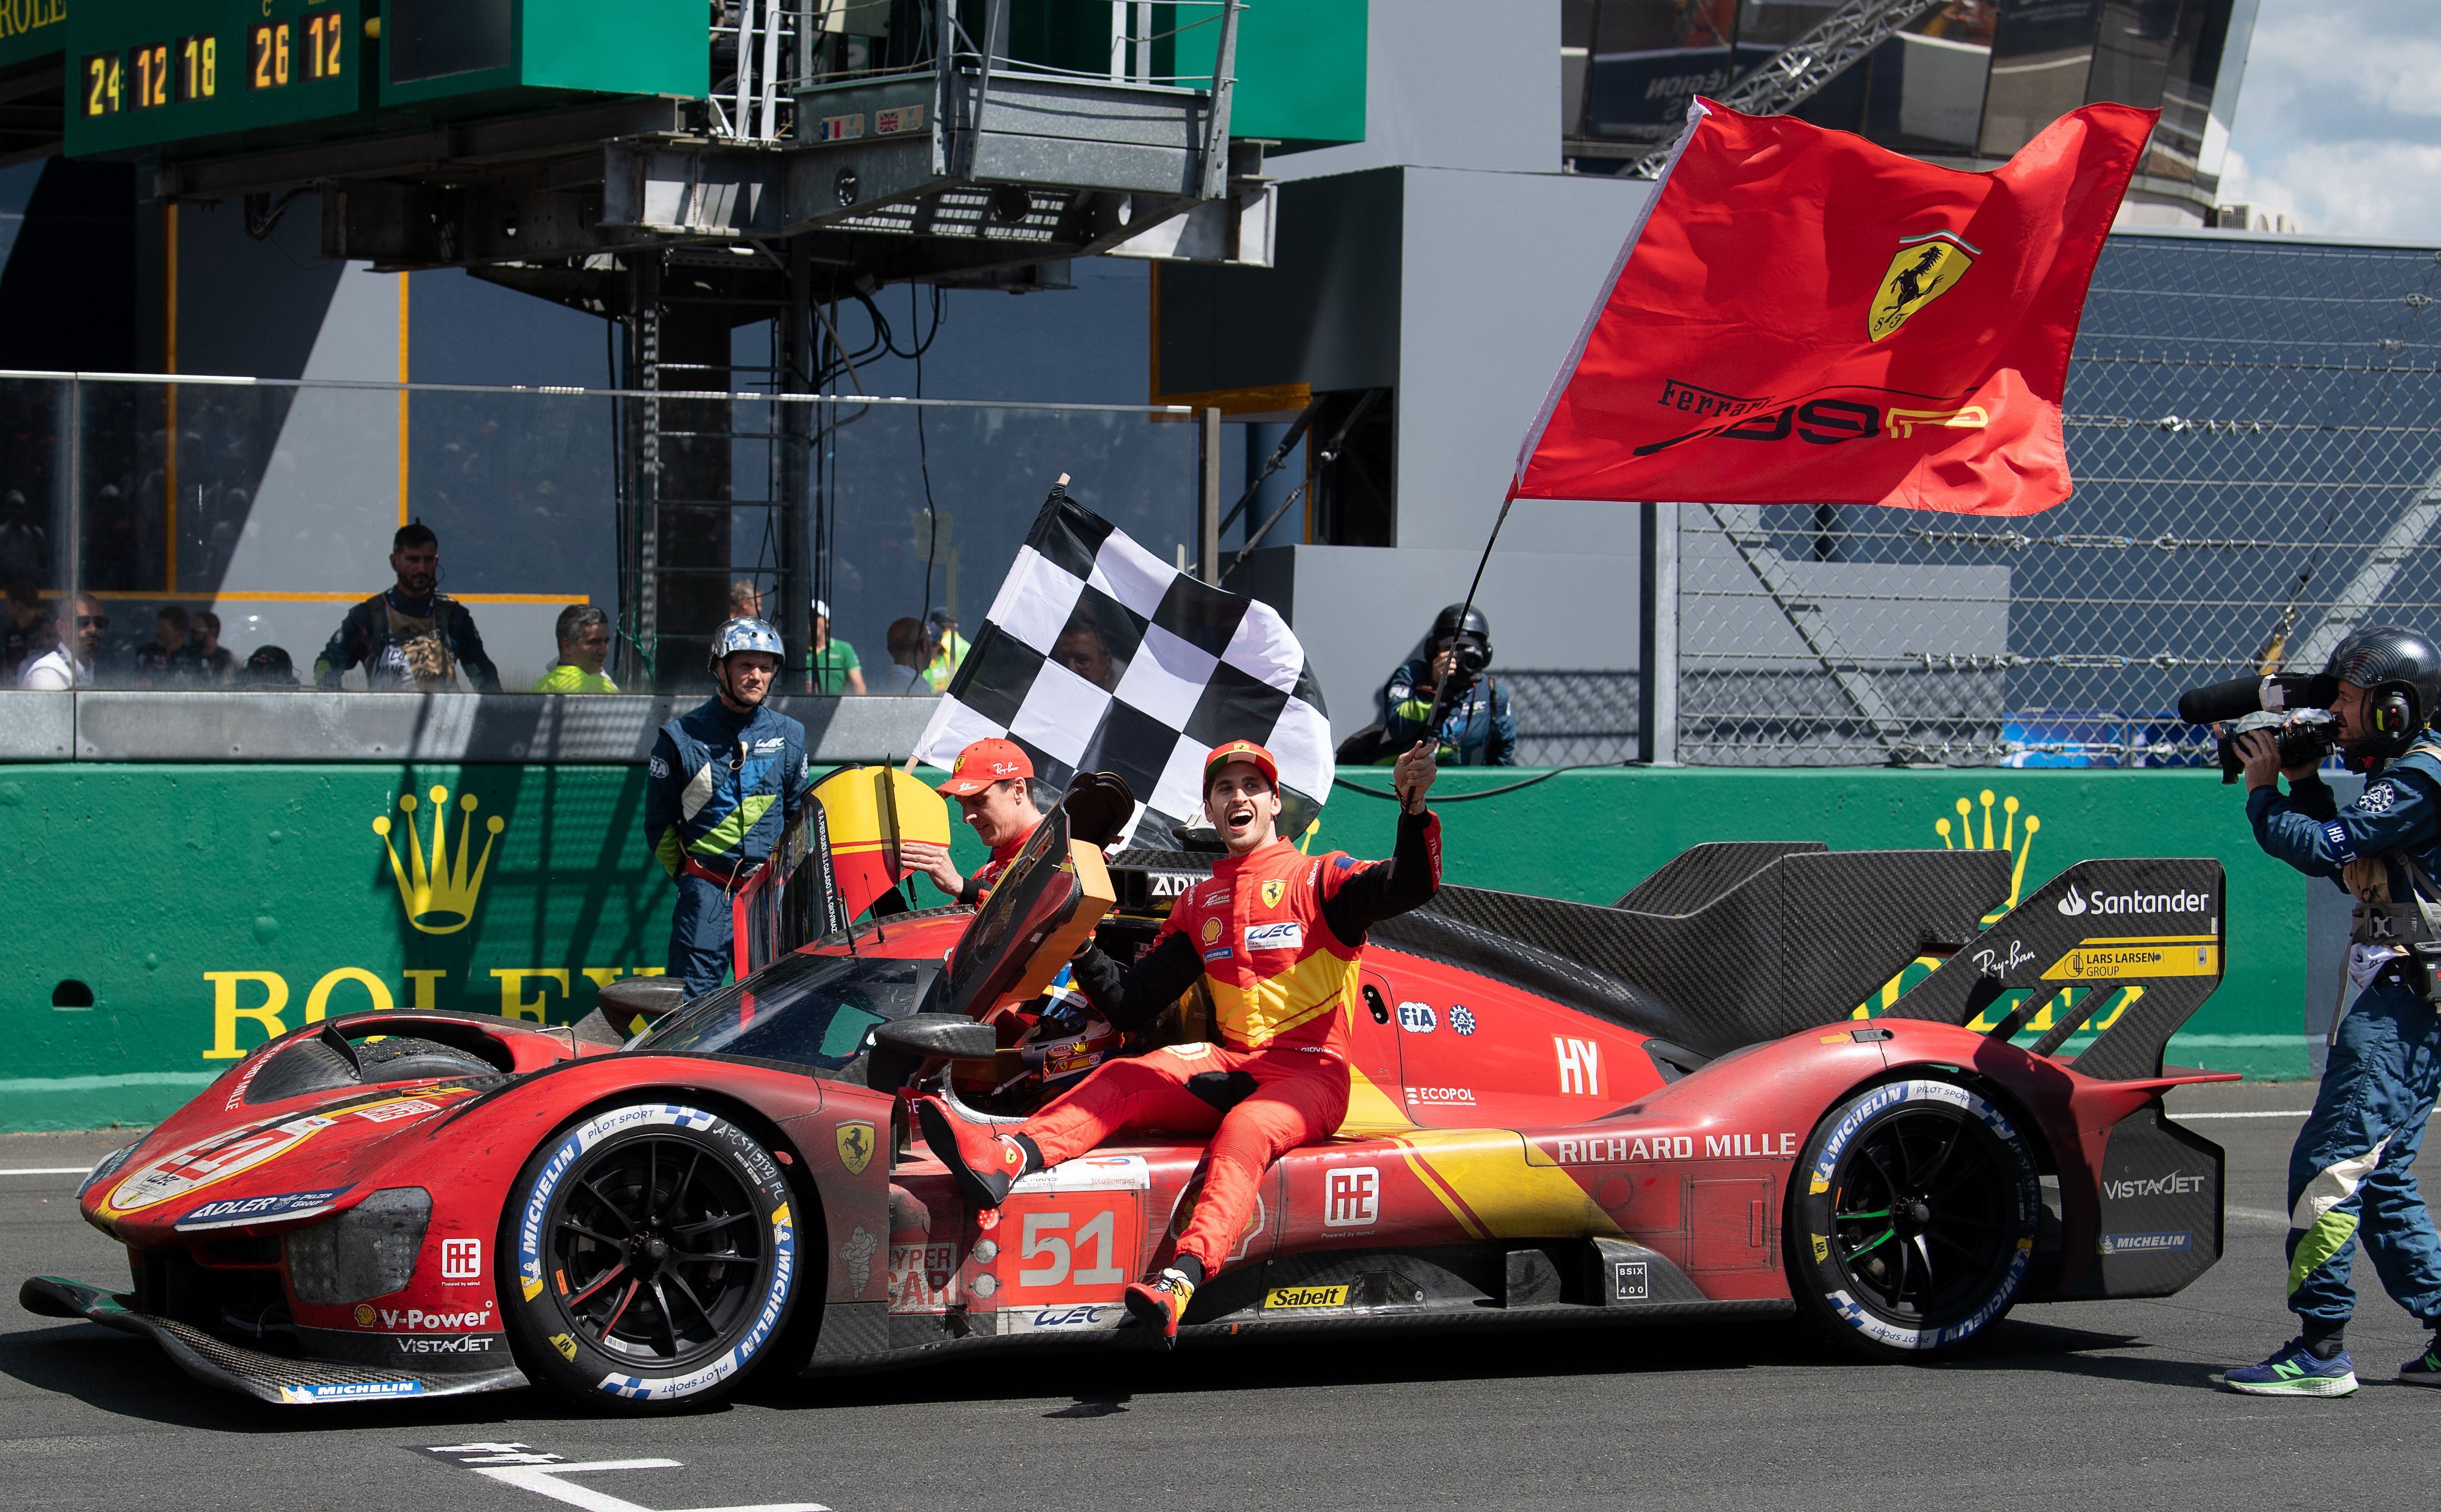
(1813,1211)
(759,1169)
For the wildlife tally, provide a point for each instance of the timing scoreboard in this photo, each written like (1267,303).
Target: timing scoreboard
(203,76)
(141,73)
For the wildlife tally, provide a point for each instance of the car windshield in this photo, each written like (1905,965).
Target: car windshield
(812,1011)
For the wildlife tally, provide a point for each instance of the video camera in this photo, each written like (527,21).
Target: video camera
(1468,656)
(2294,706)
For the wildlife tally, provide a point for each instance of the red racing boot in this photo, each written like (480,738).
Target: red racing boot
(1159,1303)
(986,1164)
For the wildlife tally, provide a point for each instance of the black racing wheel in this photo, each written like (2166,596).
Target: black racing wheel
(649,1257)
(1911,1218)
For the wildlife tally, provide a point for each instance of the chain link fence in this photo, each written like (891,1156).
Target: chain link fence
(2254,429)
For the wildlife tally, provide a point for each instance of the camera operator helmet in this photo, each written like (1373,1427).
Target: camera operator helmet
(1463,625)
(744,635)
(2400,674)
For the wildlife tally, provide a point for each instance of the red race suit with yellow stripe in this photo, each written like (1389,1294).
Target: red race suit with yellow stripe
(1277,934)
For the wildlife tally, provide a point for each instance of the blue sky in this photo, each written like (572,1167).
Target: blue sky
(2338,122)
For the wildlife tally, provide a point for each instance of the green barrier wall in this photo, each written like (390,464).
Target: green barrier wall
(203,907)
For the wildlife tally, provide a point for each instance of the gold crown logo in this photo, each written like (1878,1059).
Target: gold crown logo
(2009,840)
(439,893)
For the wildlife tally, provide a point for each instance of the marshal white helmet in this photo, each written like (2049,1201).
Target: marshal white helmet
(745,635)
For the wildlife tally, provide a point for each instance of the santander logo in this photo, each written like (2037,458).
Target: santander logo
(2181,901)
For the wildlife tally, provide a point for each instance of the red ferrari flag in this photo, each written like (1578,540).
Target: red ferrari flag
(1802,318)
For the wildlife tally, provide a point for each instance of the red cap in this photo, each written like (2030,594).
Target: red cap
(983,764)
(1242,750)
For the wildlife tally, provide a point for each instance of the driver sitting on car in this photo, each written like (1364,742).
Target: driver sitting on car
(1278,935)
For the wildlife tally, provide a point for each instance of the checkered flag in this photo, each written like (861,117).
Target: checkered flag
(1098,655)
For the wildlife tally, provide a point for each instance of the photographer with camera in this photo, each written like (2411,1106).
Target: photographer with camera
(1476,729)
(2351,1174)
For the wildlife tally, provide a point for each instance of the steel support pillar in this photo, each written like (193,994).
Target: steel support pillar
(1656,688)
(795,429)
(1208,505)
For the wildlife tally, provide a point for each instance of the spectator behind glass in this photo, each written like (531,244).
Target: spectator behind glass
(268,670)
(60,668)
(202,661)
(28,622)
(155,661)
(949,648)
(745,601)
(1082,650)
(584,634)
(410,637)
(25,546)
(832,662)
(909,649)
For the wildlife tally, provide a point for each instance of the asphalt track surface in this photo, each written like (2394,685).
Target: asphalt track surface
(2066,1405)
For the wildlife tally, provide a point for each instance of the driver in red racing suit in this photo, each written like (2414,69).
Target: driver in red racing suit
(1278,935)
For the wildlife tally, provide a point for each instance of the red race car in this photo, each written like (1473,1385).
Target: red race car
(1562,1113)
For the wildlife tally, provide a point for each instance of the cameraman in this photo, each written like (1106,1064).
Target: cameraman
(1477,729)
(2350,1175)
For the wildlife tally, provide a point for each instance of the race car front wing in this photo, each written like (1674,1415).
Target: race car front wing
(275,1379)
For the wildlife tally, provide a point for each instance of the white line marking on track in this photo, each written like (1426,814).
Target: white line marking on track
(521,1466)
(544,1480)
(2286,1112)
(46,1170)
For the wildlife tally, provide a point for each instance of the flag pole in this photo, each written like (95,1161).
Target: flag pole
(1442,695)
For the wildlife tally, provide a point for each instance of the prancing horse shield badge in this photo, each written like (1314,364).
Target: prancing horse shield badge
(855,1146)
(1924,268)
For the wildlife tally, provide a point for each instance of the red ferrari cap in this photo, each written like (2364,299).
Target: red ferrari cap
(1242,750)
(983,764)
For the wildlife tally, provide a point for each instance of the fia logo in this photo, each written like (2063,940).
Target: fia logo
(1417,1018)
(438,892)
(1351,1195)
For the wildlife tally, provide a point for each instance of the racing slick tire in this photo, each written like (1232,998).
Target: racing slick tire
(649,1257)
(1911,1218)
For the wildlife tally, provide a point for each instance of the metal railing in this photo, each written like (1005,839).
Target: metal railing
(145,501)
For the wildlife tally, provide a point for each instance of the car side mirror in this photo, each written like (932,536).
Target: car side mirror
(645,998)
(954,1036)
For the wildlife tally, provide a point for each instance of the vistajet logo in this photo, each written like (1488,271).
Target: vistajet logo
(2077,904)
(2175,1184)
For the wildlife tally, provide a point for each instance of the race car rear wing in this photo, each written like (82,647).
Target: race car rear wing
(2130,948)
(1795,941)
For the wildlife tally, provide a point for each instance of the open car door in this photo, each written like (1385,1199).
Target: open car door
(1043,907)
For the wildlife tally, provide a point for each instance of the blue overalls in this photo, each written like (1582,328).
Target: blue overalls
(719,791)
(2351,1175)
(1477,731)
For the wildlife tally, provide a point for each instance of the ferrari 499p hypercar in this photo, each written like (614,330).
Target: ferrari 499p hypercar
(1563,1113)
